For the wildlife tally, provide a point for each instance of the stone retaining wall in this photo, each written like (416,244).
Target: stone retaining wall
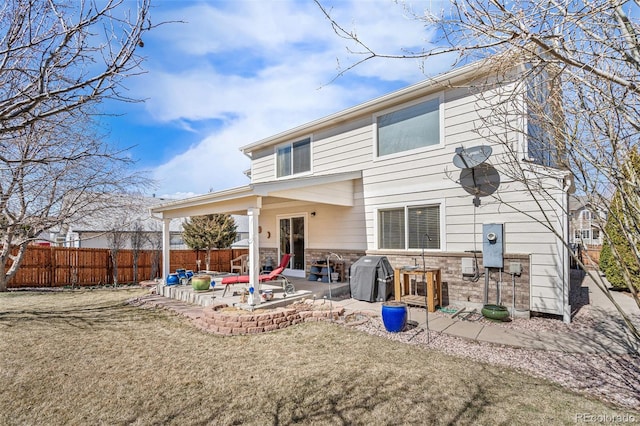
(218,320)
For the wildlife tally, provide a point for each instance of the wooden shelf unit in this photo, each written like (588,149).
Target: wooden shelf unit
(403,291)
(320,271)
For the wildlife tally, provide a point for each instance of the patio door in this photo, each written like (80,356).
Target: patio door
(292,240)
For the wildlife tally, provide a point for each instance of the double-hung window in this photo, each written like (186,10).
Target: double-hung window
(412,227)
(413,127)
(293,158)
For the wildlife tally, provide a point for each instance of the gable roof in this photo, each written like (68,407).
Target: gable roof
(407,94)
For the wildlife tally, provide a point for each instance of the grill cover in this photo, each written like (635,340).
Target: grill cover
(371,279)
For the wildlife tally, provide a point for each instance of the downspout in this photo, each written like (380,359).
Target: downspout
(566,189)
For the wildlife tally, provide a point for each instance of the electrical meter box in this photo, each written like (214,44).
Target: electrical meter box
(493,245)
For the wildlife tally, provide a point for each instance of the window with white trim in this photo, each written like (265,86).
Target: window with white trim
(411,227)
(585,215)
(409,128)
(544,145)
(293,158)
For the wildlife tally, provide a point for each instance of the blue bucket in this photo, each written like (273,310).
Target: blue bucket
(394,316)
(172,279)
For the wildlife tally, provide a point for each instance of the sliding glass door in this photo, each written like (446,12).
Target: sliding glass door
(292,240)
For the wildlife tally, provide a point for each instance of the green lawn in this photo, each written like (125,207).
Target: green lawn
(86,357)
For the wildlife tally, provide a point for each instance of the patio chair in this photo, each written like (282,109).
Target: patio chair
(275,275)
(284,262)
(240,264)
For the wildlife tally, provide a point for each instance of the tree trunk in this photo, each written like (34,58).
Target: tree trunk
(5,275)
(135,266)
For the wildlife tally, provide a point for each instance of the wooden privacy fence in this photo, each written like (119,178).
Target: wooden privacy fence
(591,256)
(63,266)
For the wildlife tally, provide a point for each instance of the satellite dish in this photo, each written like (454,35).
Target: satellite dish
(480,181)
(467,158)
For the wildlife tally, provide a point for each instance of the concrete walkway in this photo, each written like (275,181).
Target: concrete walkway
(606,333)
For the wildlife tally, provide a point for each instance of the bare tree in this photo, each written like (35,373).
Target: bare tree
(138,238)
(116,241)
(58,60)
(578,63)
(155,239)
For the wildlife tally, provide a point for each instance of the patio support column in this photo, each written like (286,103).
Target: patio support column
(254,253)
(166,249)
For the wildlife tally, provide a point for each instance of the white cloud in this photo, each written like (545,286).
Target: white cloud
(261,68)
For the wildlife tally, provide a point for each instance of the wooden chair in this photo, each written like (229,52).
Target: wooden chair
(240,264)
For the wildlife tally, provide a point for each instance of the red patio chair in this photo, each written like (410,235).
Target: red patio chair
(275,275)
(284,262)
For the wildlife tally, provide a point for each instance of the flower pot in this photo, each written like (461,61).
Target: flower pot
(495,312)
(267,295)
(201,282)
(172,279)
(394,316)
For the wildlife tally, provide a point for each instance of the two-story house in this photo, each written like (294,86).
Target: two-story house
(586,222)
(585,230)
(410,173)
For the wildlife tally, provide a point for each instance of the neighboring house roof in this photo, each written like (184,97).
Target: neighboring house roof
(131,209)
(577,202)
(244,243)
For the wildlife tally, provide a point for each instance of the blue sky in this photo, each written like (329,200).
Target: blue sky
(235,72)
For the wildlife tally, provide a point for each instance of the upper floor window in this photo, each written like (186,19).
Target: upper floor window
(293,158)
(585,215)
(545,145)
(409,128)
(414,227)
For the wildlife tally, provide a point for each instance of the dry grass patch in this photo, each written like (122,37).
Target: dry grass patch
(86,357)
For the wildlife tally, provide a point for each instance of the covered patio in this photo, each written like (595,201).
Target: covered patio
(280,197)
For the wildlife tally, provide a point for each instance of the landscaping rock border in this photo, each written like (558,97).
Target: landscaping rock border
(219,319)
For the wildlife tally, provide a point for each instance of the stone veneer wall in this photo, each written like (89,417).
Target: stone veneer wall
(455,287)
(236,322)
(459,289)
